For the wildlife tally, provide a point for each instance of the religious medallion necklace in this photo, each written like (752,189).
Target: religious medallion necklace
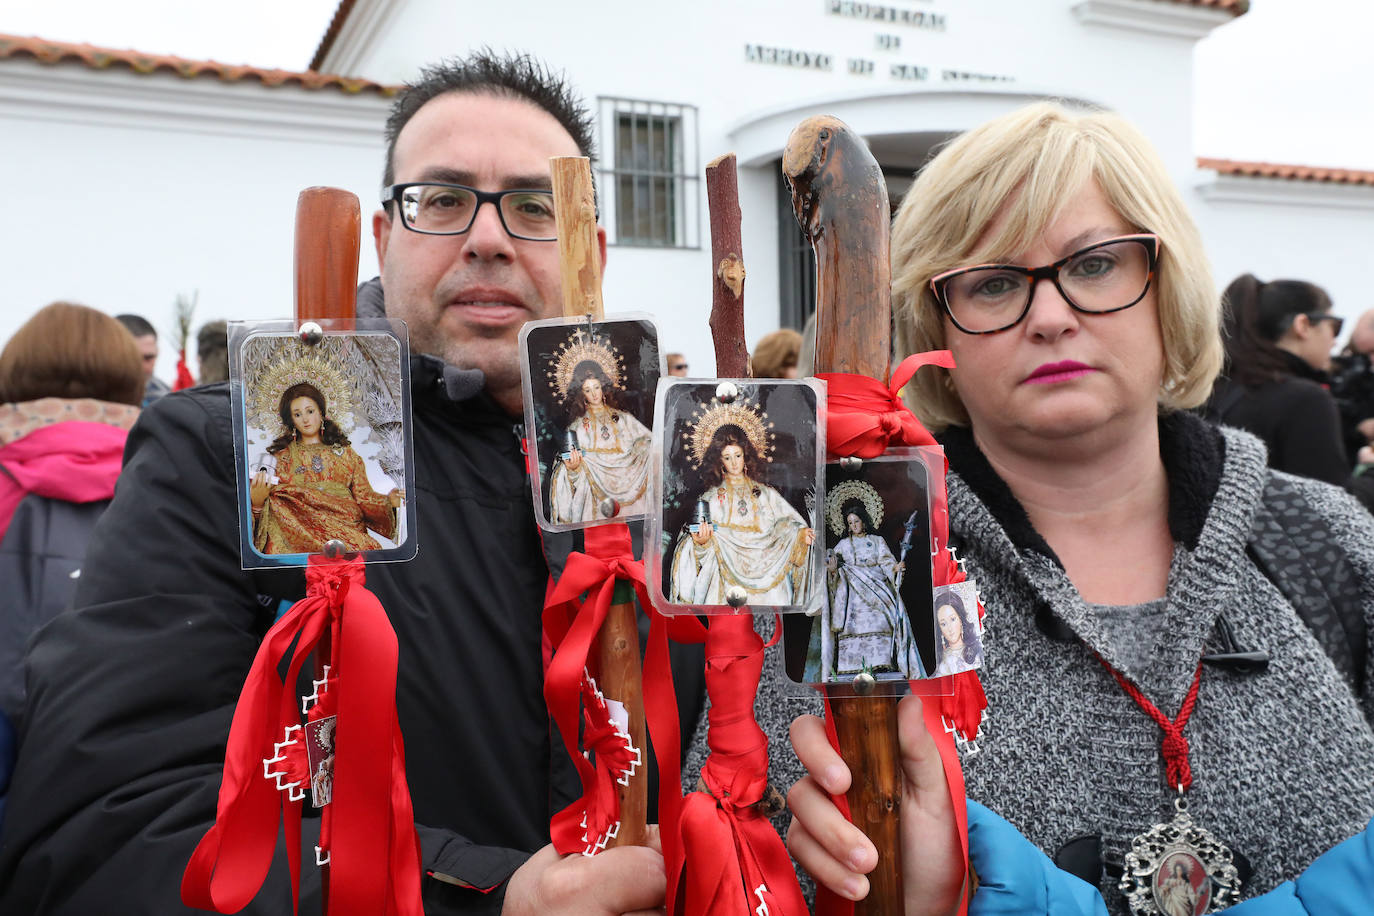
(1179,867)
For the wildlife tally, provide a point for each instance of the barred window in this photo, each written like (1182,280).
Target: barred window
(650,173)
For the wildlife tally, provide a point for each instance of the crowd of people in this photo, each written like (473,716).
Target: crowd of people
(1126,549)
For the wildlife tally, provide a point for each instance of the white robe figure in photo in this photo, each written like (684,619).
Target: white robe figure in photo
(611,460)
(865,624)
(755,539)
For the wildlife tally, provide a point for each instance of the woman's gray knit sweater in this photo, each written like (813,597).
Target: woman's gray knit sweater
(1282,761)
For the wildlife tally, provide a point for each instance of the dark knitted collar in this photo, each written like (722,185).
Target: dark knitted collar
(1191,448)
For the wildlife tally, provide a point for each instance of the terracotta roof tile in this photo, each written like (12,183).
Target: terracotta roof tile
(331,34)
(54,52)
(1288,172)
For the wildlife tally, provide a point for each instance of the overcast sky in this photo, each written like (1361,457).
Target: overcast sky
(1291,81)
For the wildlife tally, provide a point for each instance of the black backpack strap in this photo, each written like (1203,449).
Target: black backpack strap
(1294,547)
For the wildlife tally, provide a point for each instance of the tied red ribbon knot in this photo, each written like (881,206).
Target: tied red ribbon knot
(1174,745)
(571,625)
(734,862)
(368,829)
(864,417)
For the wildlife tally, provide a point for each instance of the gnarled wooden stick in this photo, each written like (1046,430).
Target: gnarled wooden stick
(618,642)
(727,283)
(840,200)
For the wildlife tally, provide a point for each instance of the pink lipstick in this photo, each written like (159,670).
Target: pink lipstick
(1057,372)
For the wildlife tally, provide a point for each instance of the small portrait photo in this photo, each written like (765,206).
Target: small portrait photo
(589,405)
(1181,886)
(958,631)
(319,754)
(738,490)
(323,443)
(876,613)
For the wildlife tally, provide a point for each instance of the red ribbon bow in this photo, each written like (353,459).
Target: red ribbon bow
(571,626)
(368,829)
(734,861)
(864,417)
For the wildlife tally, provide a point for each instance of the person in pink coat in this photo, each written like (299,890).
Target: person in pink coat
(70,384)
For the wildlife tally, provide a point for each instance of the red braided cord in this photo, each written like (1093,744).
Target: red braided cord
(1174,745)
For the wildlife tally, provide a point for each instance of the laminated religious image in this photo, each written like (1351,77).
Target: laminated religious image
(322,438)
(589,403)
(877,615)
(734,514)
(319,753)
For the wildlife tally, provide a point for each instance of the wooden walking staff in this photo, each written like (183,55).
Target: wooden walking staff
(579,255)
(840,200)
(328,236)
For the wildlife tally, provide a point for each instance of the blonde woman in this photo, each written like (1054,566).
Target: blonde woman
(1108,529)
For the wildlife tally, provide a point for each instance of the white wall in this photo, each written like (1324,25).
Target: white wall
(1293,230)
(124,190)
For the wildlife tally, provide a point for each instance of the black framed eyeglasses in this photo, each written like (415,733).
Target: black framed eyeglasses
(437,208)
(1104,277)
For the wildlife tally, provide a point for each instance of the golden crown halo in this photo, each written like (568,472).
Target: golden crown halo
(848,491)
(583,347)
(706,422)
(284,361)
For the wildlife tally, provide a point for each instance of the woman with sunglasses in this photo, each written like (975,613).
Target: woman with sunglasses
(1107,529)
(1279,337)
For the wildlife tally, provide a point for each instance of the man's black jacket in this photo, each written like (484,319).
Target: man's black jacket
(131,692)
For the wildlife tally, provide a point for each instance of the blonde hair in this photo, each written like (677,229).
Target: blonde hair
(775,353)
(1024,167)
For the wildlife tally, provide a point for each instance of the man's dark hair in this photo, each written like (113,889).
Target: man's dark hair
(484,72)
(137,325)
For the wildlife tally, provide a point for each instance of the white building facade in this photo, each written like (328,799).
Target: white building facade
(190,184)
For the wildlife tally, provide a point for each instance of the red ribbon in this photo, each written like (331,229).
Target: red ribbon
(864,417)
(368,829)
(571,625)
(1174,745)
(734,861)
(184,377)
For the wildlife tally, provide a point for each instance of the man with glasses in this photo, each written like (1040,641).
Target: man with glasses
(133,690)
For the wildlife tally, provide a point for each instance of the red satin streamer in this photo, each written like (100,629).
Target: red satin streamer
(368,828)
(734,861)
(569,625)
(864,418)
